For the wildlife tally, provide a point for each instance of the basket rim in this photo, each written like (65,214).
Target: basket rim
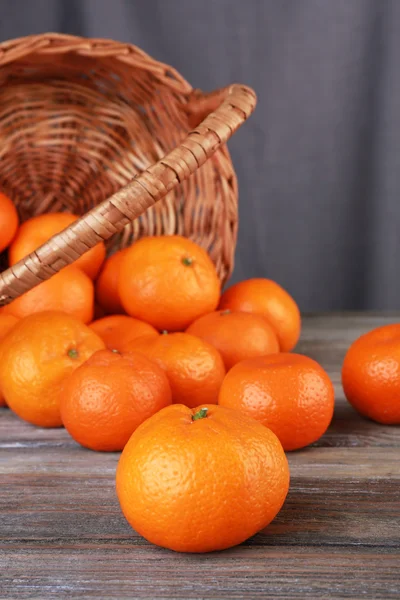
(60,43)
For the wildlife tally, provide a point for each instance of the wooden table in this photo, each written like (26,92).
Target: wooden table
(62,534)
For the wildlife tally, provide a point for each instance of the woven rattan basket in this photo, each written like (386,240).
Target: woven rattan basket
(100,129)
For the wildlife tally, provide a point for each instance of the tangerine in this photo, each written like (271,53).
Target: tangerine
(9,221)
(36,231)
(371,374)
(267,298)
(70,291)
(201,480)
(7,322)
(290,394)
(37,355)
(109,396)
(236,335)
(168,281)
(194,368)
(119,330)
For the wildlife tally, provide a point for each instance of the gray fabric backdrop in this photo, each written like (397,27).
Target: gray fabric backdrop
(319,162)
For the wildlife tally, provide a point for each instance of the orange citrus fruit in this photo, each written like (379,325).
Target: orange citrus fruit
(194,368)
(9,221)
(168,281)
(37,355)
(70,291)
(109,396)
(107,294)
(371,374)
(267,298)
(119,330)
(290,394)
(7,322)
(36,231)
(201,480)
(236,335)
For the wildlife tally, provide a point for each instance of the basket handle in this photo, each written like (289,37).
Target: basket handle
(214,118)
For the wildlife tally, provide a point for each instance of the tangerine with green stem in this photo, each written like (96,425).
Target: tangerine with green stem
(201,479)
(109,396)
(37,355)
(168,281)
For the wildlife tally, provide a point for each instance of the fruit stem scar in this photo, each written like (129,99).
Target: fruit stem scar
(73,353)
(187,261)
(225,312)
(164,332)
(201,414)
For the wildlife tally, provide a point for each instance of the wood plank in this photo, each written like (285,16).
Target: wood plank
(62,533)
(243,572)
(81,510)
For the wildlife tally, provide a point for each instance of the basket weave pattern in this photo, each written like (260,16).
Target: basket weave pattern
(99,126)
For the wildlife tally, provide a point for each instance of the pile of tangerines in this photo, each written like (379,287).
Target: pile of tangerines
(141,353)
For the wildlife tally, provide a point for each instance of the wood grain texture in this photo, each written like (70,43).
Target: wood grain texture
(62,534)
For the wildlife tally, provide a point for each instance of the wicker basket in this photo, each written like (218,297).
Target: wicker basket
(100,129)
